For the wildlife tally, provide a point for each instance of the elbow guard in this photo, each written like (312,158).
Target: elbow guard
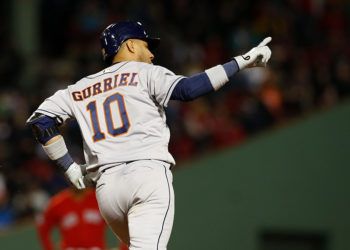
(44,127)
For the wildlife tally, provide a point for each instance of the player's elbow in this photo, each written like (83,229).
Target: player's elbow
(44,128)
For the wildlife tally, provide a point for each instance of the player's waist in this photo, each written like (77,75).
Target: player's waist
(104,161)
(111,167)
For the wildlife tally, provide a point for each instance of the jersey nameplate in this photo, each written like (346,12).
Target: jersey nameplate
(107,84)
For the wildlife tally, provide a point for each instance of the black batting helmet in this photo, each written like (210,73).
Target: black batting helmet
(117,33)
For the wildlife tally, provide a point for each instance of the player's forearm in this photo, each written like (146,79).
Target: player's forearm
(57,151)
(46,132)
(203,83)
(53,140)
(220,74)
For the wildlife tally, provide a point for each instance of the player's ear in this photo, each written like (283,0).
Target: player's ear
(130,45)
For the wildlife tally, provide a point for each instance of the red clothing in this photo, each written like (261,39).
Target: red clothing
(77,218)
(122,246)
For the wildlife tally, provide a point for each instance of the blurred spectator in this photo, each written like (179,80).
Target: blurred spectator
(6,211)
(73,211)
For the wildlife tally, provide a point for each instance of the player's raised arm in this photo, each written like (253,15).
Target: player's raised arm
(214,78)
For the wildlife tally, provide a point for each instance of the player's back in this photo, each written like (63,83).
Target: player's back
(119,114)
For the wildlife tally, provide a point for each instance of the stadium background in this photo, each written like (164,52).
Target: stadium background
(250,128)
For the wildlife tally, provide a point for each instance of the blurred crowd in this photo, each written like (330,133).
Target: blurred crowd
(309,70)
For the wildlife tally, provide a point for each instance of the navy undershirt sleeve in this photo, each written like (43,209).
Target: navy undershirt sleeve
(192,87)
(231,68)
(198,85)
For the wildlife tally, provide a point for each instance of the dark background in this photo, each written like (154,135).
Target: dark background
(49,44)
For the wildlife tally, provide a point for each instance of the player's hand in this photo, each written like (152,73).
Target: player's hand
(256,57)
(75,175)
(87,179)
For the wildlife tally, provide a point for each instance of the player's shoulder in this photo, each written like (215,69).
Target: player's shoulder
(135,66)
(121,66)
(153,69)
(161,71)
(144,69)
(87,79)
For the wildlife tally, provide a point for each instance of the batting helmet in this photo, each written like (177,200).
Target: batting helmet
(116,33)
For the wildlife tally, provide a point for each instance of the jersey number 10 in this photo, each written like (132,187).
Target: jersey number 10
(112,130)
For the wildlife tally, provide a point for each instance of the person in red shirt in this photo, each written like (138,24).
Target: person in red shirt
(76,215)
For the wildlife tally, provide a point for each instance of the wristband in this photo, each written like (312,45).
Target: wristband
(56,149)
(217,76)
(58,152)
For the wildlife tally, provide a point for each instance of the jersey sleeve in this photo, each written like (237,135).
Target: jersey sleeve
(57,106)
(161,84)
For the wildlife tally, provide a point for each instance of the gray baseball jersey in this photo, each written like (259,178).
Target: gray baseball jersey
(120,111)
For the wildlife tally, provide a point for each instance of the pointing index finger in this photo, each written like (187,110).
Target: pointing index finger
(265,41)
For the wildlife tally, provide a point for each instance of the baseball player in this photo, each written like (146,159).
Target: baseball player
(120,111)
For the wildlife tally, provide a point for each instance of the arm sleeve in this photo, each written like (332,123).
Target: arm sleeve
(192,87)
(200,84)
(57,106)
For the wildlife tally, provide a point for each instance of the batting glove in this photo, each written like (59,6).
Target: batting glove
(256,57)
(75,175)
(88,179)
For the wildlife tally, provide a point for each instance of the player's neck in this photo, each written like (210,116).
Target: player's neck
(122,57)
